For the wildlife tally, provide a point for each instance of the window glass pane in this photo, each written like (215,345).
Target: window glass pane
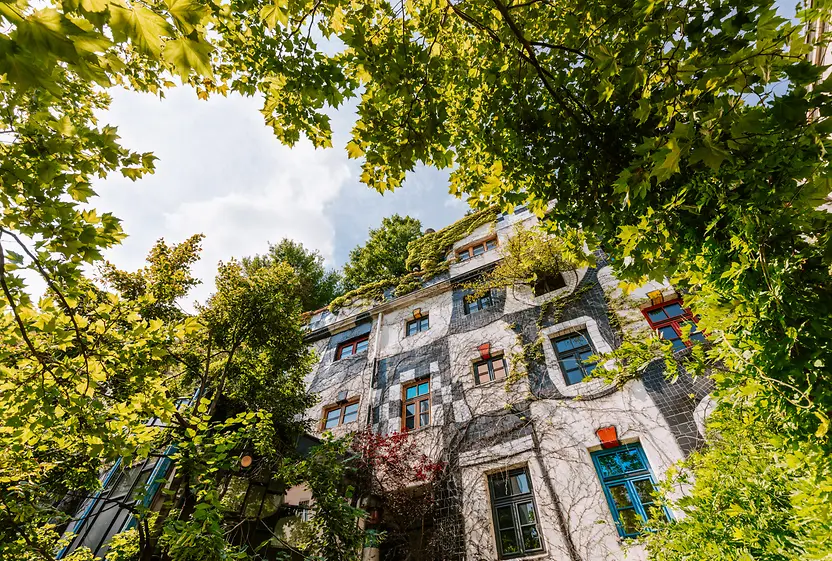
(424,387)
(519,483)
(504,518)
(629,520)
(485,301)
(573,376)
(490,244)
(346,351)
(410,417)
(674,310)
(424,405)
(361,346)
(570,363)
(499,368)
(619,463)
(350,413)
(463,255)
(126,481)
(484,377)
(669,334)
(410,392)
(657,315)
(644,488)
(563,345)
(424,419)
(508,542)
(620,496)
(525,513)
(479,250)
(332,418)
(579,340)
(424,324)
(412,327)
(499,484)
(531,539)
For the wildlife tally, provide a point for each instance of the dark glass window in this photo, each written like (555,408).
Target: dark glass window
(548,283)
(352,347)
(478,304)
(416,405)
(572,350)
(488,370)
(417,325)
(628,487)
(515,514)
(340,415)
(669,320)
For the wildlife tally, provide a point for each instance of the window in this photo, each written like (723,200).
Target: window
(417,325)
(340,414)
(547,283)
(352,347)
(669,319)
(488,370)
(417,405)
(572,350)
(305,510)
(628,487)
(515,514)
(476,249)
(478,304)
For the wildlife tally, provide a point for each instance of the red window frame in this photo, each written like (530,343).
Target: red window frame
(675,322)
(352,344)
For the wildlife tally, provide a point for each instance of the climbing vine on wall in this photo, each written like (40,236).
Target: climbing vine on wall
(425,260)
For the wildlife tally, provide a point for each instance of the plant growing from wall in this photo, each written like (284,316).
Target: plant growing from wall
(403,482)
(425,260)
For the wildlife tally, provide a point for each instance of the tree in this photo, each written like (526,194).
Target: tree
(672,133)
(384,254)
(317,286)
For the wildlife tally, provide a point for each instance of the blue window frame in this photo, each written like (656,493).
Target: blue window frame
(628,487)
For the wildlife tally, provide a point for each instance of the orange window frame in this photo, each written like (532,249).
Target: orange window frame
(416,401)
(468,251)
(342,407)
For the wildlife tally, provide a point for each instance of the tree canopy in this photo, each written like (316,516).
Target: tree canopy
(384,254)
(688,138)
(317,286)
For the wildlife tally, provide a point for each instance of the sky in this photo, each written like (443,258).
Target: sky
(223,173)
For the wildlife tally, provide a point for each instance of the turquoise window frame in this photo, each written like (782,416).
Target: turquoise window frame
(628,479)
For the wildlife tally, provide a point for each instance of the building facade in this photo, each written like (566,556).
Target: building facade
(540,461)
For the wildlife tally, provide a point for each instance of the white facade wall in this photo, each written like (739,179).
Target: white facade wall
(555,432)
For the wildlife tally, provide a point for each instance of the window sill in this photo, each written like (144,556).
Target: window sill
(416,431)
(488,384)
(542,555)
(351,357)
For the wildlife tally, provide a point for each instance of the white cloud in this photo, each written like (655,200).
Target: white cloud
(220,172)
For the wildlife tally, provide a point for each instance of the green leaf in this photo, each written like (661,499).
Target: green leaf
(275,13)
(146,29)
(187,55)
